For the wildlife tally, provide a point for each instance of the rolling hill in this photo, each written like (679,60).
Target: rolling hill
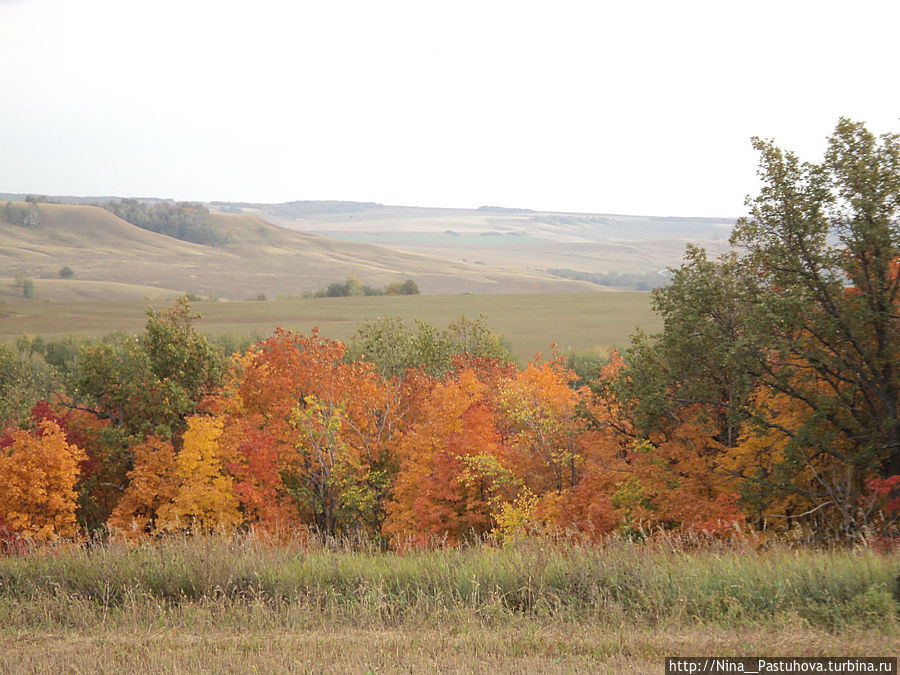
(260,258)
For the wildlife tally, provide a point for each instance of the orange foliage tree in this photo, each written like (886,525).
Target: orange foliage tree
(671,477)
(453,461)
(677,479)
(38,473)
(786,479)
(253,458)
(310,434)
(151,486)
(538,408)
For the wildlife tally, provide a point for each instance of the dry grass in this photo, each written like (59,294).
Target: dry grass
(261,258)
(248,605)
(521,240)
(525,646)
(531,323)
(243,604)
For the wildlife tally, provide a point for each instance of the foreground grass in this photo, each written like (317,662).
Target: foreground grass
(525,646)
(211,604)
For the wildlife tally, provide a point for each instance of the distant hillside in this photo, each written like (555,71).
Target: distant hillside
(80,290)
(240,250)
(595,244)
(258,258)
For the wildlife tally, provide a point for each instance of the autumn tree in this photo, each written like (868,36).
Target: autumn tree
(538,407)
(151,485)
(204,499)
(38,473)
(253,457)
(781,480)
(686,396)
(674,479)
(641,473)
(97,495)
(822,244)
(145,385)
(308,425)
(804,313)
(454,473)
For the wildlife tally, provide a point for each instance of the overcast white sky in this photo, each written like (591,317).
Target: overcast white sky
(615,107)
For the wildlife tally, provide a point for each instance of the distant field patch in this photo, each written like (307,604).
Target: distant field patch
(532,323)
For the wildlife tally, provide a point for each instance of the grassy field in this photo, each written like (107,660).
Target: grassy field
(245,605)
(530,322)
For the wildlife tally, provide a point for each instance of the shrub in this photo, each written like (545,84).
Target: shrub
(408,287)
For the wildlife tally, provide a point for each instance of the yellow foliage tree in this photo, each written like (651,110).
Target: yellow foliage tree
(204,498)
(514,518)
(38,472)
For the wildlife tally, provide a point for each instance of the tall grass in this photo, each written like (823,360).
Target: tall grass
(249,578)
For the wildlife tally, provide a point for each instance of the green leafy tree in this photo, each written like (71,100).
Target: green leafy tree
(821,246)
(794,338)
(151,383)
(184,220)
(395,347)
(145,385)
(27,215)
(475,338)
(25,379)
(408,287)
(703,356)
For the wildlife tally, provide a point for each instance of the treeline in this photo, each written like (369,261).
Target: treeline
(353,286)
(84,419)
(632,281)
(408,434)
(26,215)
(187,221)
